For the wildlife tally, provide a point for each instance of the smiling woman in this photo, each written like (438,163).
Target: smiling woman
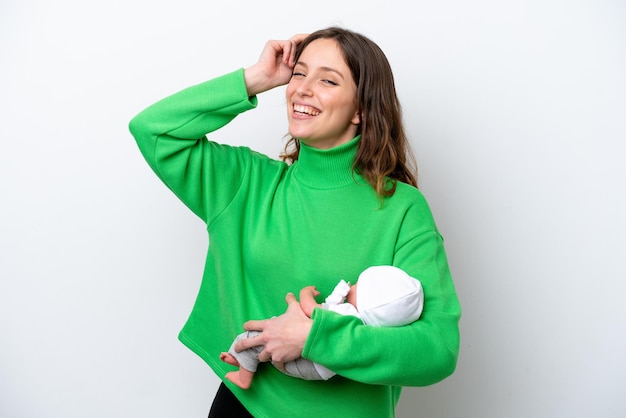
(343,199)
(321,97)
(383,151)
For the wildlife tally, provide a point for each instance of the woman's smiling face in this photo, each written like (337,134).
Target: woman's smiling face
(321,97)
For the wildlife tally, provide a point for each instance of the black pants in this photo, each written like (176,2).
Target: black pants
(226,405)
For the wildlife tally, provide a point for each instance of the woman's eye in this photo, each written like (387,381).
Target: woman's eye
(297,74)
(331,82)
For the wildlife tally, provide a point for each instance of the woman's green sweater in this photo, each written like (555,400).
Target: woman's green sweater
(275,228)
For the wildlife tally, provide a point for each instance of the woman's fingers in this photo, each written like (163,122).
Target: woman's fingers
(249,342)
(254,325)
(290,297)
(288,49)
(255,341)
(265,356)
(298,38)
(282,337)
(274,66)
(289,56)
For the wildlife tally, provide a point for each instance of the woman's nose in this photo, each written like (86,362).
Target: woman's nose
(305,88)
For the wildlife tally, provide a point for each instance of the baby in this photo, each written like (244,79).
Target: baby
(382,296)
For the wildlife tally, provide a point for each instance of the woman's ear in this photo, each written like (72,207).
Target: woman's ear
(356,119)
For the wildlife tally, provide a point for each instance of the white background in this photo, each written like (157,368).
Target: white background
(516,111)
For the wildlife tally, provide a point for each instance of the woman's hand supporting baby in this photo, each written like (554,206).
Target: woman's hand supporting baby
(282,336)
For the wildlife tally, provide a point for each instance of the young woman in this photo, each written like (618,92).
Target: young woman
(344,198)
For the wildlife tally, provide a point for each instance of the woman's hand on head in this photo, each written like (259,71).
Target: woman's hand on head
(283,337)
(274,66)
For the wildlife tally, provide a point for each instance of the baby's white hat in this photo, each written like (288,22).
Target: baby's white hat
(388,296)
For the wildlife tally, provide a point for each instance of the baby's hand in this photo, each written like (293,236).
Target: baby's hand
(307,299)
(309,290)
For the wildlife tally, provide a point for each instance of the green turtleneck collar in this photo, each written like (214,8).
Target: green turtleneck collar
(329,168)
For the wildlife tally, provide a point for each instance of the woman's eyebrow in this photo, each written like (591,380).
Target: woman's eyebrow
(324,68)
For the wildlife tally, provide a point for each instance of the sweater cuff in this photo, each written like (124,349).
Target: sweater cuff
(237,81)
(318,317)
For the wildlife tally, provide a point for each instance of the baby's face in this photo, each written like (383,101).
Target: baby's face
(351,296)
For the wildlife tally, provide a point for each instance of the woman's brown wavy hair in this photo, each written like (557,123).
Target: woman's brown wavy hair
(383,155)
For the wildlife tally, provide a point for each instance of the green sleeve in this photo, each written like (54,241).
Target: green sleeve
(419,354)
(171,135)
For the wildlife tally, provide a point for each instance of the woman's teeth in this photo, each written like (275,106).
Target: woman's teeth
(306,110)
